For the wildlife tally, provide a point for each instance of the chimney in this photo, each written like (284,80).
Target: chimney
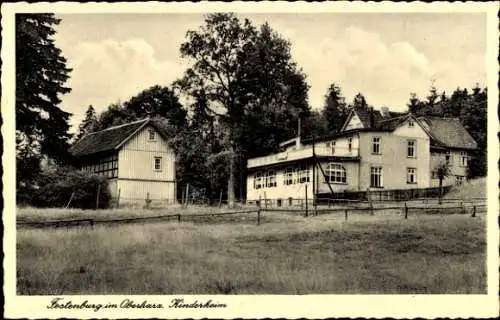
(385,112)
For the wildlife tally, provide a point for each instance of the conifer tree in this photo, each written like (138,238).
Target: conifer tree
(88,123)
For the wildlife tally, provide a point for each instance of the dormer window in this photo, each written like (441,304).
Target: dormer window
(152,135)
(411,123)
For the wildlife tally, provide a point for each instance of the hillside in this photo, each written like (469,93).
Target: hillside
(475,188)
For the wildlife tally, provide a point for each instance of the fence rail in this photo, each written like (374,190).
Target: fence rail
(464,207)
(93,221)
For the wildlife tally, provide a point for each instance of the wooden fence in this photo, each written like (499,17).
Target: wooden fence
(459,206)
(84,222)
(449,206)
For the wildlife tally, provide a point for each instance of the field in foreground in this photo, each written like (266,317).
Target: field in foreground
(285,255)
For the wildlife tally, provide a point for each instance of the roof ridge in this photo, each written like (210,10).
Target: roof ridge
(121,125)
(438,117)
(395,118)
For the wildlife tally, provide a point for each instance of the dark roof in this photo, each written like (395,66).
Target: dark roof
(309,139)
(368,116)
(108,139)
(390,123)
(444,132)
(448,132)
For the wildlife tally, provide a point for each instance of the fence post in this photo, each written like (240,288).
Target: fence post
(260,201)
(406,211)
(97,197)
(265,200)
(118,198)
(346,213)
(474,211)
(187,194)
(182,198)
(220,199)
(258,216)
(306,198)
(179,218)
(371,208)
(70,198)
(147,200)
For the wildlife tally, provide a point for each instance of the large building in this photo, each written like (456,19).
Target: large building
(375,150)
(136,159)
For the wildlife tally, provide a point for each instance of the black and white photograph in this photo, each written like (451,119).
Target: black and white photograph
(173,162)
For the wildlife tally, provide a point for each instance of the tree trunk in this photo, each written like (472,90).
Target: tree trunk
(230,182)
(440,190)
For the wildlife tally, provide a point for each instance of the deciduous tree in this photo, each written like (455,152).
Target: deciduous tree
(252,86)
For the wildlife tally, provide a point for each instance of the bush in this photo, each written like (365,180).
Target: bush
(54,186)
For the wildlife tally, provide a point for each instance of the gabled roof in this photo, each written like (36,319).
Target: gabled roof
(391,124)
(448,132)
(443,132)
(110,138)
(371,118)
(368,117)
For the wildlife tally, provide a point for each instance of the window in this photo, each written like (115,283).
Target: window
(333,147)
(448,158)
(376,177)
(411,123)
(459,180)
(152,135)
(257,180)
(412,146)
(290,176)
(157,163)
(303,175)
(411,175)
(376,145)
(270,179)
(463,156)
(335,173)
(349,144)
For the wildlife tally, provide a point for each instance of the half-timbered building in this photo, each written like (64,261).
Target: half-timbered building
(134,157)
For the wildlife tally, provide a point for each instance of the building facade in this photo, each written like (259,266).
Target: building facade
(136,159)
(375,150)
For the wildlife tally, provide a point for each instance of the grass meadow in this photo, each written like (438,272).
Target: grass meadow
(286,254)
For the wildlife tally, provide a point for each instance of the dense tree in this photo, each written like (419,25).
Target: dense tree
(88,123)
(252,87)
(197,147)
(470,108)
(414,105)
(359,101)
(314,125)
(41,74)
(473,115)
(335,110)
(154,102)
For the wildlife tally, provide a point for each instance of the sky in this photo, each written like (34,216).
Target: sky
(385,56)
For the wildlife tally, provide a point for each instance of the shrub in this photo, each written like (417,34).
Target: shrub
(55,185)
